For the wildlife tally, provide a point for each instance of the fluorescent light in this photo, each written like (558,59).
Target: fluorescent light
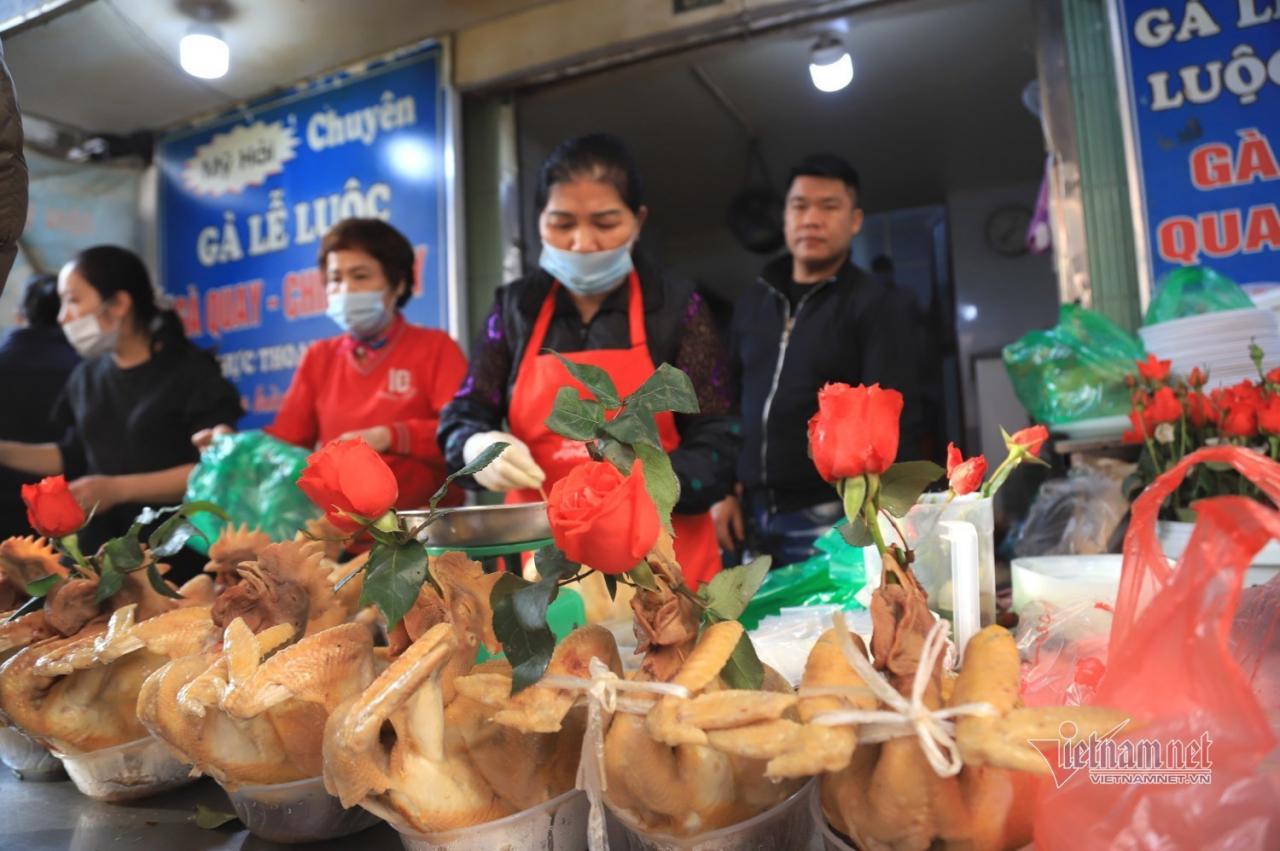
(202,53)
(831,66)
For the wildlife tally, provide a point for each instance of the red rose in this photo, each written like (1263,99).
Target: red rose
(855,431)
(1197,379)
(348,478)
(1201,411)
(1269,416)
(1164,408)
(1029,440)
(1137,434)
(1273,377)
(1153,369)
(1240,420)
(964,476)
(602,518)
(51,509)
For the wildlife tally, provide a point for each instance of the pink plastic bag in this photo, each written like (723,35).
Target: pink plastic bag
(1172,666)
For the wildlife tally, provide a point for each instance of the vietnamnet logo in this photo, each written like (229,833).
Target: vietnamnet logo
(1111,761)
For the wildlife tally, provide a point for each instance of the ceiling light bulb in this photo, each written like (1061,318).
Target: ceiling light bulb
(202,53)
(831,66)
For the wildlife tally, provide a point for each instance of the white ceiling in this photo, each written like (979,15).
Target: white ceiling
(112,65)
(934,107)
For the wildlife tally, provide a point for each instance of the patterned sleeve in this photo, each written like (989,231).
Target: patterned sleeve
(481,402)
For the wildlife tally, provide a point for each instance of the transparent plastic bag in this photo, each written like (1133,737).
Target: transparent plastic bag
(1194,290)
(253,477)
(1064,652)
(1074,370)
(1171,665)
(1075,515)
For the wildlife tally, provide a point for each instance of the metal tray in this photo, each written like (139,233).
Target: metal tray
(483,525)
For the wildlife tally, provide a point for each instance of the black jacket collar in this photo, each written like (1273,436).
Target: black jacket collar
(777,272)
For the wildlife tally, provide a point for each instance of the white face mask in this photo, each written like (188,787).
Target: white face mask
(361,313)
(88,338)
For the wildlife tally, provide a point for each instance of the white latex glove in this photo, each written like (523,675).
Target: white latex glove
(512,470)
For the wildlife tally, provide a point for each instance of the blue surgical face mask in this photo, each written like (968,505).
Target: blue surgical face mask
(587,273)
(362,313)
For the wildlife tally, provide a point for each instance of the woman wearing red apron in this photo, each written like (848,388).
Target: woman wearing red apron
(597,302)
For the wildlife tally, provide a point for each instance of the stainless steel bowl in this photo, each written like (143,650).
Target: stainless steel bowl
(483,525)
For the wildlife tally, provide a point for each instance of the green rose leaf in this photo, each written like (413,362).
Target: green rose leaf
(744,669)
(207,818)
(125,552)
(855,495)
(574,417)
(620,455)
(668,389)
(660,481)
(595,379)
(902,484)
(856,533)
(520,623)
(159,585)
(553,565)
(26,609)
(484,459)
(729,591)
(110,580)
(611,585)
(173,534)
(393,578)
(636,428)
(42,586)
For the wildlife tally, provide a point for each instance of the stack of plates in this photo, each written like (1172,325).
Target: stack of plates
(1218,342)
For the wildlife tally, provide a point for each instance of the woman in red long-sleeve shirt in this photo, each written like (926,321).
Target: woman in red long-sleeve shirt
(383,378)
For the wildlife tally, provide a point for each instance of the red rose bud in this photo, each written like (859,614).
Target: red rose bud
(1273,376)
(1198,379)
(1269,416)
(855,431)
(1201,411)
(51,509)
(348,478)
(1153,369)
(1139,432)
(1164,407)
(1028,440)
(601,518)
(964,476)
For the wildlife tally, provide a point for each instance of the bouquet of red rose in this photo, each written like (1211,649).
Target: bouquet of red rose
(1173,416)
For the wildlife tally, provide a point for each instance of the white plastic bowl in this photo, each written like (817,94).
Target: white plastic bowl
(1065,580)
(831,839)
(559,824)
(125,772)
(27,759)
(786,825)
(301,811)
(1174,537)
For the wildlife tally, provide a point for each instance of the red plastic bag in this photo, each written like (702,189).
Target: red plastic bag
(1173,667)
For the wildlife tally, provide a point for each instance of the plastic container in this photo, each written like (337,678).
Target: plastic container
(831,840)
(787,825)
(301,811)
(1065,580)
(28,760)
(135,769)
(559,824)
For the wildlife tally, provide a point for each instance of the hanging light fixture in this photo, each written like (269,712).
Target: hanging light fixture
(830,65)
(203,53)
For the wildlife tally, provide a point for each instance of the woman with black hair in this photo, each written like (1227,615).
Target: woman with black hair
(598,301)
(129,409)
(384,379)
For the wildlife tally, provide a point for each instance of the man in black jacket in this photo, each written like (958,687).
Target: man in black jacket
(812,318)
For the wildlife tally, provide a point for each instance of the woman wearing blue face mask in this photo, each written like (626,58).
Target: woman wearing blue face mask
(128,409)
(382,379)
(597,301)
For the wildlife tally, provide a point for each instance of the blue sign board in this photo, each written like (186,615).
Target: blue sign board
(246,198)
(1203,87)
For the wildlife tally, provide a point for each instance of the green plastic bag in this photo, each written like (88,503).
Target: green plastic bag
(832,577)
(1075,370)
(253,477)
(1192,291)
